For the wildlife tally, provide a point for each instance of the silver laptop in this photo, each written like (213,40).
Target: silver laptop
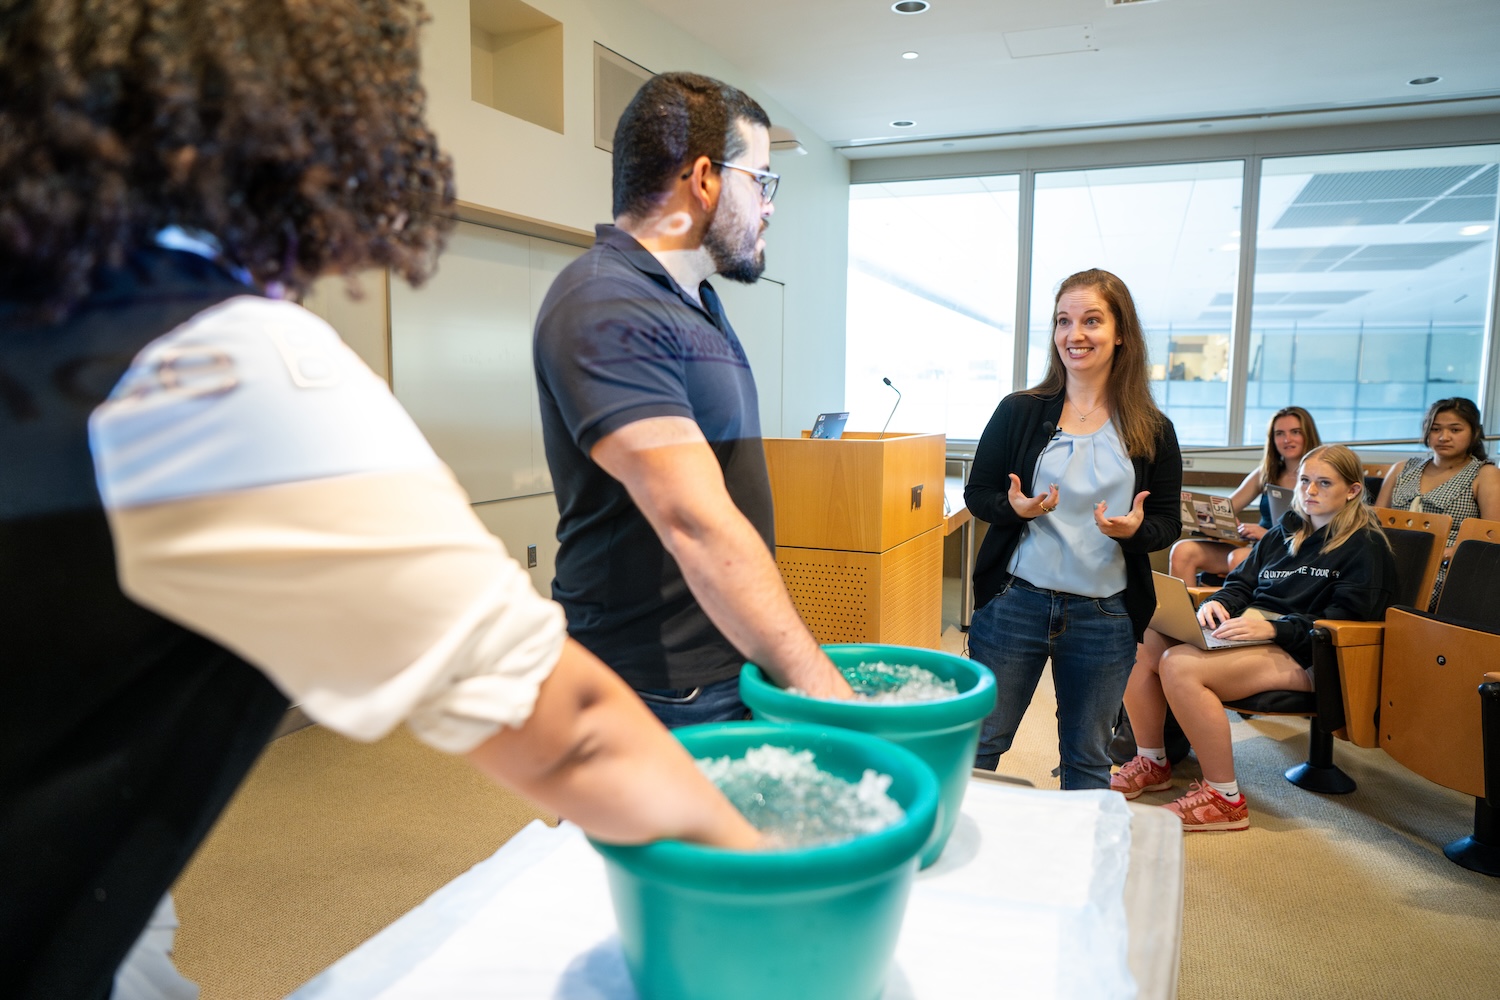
(1176,617)
(1210,516)
(1280,501)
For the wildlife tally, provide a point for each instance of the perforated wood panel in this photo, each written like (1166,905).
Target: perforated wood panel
(834,592)
(895,596)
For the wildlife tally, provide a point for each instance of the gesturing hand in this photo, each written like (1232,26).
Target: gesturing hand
(1125,525)
(1030,507)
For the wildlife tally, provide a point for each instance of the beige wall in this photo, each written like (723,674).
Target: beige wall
(514,167)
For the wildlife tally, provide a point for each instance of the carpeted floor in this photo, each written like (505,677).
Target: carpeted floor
(1323,898)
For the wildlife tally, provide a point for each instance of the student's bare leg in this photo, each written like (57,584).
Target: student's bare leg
(1197,683)
(1145,701)
(1237,556)
(1188,558)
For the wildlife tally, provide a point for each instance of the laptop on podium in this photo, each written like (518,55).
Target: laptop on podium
(829,426)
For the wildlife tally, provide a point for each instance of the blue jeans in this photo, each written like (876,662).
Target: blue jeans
(1092,647)
(716,702)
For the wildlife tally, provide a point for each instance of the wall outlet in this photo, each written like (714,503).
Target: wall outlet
(530,556)
(1187,463)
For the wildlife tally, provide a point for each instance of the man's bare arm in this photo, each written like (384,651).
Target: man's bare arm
(593,753)
(673,477)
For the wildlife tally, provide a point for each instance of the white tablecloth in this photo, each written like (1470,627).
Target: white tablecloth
(1026,901)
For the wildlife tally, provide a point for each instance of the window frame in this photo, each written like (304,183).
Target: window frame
(1251,148)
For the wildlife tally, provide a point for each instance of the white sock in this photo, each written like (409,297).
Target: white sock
(1229,789)
(1157,754)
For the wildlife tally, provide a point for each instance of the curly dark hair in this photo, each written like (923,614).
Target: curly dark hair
(672,120)
(291,130)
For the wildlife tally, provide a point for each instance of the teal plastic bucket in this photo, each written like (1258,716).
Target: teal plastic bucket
(699,922)
(943,733)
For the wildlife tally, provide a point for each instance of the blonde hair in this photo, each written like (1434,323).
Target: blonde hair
(1136,414)
(1355,515)
(1272,464)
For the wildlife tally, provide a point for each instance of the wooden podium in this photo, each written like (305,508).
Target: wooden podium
(859,534)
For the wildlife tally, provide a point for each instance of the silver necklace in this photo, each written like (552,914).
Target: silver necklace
(1084,416)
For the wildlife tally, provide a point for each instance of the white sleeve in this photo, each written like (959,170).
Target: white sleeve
(266,490)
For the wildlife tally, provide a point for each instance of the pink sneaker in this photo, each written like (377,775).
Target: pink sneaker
(1203,808)
(1141,774)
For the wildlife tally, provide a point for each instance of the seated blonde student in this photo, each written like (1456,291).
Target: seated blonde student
(1326,559)
(1290,434)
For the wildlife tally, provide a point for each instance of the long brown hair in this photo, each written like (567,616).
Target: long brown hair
(292,133)
(1136,414)
(1355,515)
(1272,465)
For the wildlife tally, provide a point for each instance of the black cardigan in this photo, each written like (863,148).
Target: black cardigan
(1013,441)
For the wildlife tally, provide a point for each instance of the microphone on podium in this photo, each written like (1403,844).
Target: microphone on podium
(893,408)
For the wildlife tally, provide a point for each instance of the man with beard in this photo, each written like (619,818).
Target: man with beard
(650,417)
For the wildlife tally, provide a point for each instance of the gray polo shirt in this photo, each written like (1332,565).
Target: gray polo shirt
(617,340)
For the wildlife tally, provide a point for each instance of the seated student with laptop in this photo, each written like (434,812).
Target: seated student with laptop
(1327,558)
(1291,434)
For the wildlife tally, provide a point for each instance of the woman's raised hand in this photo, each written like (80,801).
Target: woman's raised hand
(1125,525)
(1030,507)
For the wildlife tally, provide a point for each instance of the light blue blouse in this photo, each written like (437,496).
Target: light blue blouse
(1065,550)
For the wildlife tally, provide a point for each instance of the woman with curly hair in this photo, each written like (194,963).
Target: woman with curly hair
(208,505)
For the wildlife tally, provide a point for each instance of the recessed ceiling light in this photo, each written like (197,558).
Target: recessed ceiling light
(1473,230)
(911,7)
(1229,246)
(1423,81)
(902,123)
(908,55)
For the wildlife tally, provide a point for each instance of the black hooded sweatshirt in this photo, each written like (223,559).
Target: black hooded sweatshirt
(1355,581)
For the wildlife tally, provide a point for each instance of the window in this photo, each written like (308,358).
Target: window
(1172,234)
(1372,285)
(1370,295)
(932,302)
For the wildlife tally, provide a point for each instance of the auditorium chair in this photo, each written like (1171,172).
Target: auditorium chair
(1440,694)
(1346,659)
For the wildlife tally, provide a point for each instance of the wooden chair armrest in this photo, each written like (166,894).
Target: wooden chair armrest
(1488,678)
(1200,594)
(1344,632)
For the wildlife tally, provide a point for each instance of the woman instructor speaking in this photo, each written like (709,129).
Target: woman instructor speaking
(1079,479)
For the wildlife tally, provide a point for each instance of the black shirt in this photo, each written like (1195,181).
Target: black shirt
(1355,581)
(617,340)
(122,734)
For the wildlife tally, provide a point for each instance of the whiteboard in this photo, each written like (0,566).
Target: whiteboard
(461,358)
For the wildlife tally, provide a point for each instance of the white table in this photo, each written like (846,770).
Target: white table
(1030,899)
